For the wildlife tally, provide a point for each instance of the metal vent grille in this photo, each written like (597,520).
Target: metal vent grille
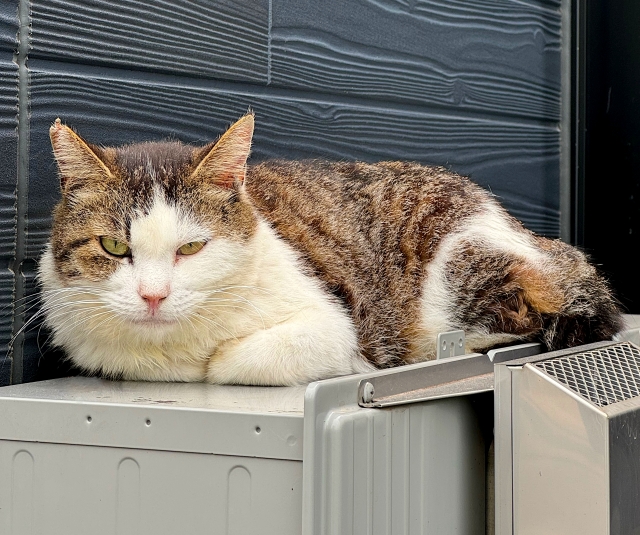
(603,376)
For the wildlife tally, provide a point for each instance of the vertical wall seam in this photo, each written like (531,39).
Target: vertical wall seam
(578,116)
(21,191)
(270,22)
(566,128)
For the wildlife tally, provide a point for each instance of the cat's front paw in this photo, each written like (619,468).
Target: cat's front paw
(284,355)
(250,361)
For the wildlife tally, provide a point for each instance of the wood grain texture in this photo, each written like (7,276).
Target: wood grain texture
(8,156)
(8,177)
(483,56)
(8,24)
(518,162)
(487,56)
(225,39)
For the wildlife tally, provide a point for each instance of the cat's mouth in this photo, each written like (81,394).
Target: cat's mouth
(154,321)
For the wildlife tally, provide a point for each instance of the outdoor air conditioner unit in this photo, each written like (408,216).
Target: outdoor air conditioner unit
(394,451)
(567,442)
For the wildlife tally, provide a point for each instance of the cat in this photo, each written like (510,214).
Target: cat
(169,262)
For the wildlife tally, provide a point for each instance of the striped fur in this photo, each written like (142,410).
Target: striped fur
(310,269)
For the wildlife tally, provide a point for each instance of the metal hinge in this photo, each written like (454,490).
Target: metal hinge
(444,378)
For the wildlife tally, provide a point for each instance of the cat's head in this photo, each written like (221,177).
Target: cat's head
(149,228)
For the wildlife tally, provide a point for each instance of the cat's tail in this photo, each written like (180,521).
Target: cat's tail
(558,298)
(588,310)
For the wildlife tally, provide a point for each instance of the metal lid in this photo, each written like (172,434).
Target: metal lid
(187,417)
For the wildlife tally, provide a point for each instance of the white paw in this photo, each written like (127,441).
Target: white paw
(285,355)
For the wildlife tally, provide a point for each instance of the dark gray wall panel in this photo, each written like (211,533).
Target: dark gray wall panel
(8,24)
(472,85)
(518,162)
(5,371)
(8,178)
(6,319)
(32,346)
(225,39)
(488,56)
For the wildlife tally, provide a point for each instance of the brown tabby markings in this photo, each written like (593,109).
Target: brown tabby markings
(367,231)
(563,304)
(536,291)
(124,189)
(498,292)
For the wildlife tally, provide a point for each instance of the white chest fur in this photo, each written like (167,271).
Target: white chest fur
(234,312)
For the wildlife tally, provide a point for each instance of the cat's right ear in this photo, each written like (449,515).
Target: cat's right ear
(78,163)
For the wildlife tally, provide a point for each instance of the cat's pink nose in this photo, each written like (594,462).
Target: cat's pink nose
(153,299)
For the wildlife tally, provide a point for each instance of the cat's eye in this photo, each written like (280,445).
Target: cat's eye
(191,248)
(114,247)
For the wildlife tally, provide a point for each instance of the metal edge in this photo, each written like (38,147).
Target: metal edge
(561,353)
(628,335)
(384,390)
(567,90)
(519,351)
(563,387)
(503,448)
(384,403)
(432,373)
(320,398)
(611,410)
(154,428)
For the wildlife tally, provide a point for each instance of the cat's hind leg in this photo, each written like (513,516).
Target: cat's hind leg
(498,296)
(474,289)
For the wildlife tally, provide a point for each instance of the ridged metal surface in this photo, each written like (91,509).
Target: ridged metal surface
(602,376)
(415,469)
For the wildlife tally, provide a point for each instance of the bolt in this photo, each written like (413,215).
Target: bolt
(367,393)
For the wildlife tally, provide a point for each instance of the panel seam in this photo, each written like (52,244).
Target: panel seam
(565,124)
(17,341)
(270,25)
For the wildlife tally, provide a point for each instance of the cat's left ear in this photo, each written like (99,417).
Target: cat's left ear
(226,162)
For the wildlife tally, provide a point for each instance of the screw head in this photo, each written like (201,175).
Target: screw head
(367,393)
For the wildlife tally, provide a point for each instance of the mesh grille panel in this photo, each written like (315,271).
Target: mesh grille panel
(603,376)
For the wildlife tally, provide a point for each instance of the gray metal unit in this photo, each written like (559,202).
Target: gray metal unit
(83,455)
(417,468)
(567,454)
(452,377)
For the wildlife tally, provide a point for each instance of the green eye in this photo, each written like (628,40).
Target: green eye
(114,247)
(191,248)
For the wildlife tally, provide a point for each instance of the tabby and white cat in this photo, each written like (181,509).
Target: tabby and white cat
(177,263)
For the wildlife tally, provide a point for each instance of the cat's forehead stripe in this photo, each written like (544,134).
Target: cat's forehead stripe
(145,166)
(163,228)
(164,157)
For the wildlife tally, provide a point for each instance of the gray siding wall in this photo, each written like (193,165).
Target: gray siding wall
(471,84)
